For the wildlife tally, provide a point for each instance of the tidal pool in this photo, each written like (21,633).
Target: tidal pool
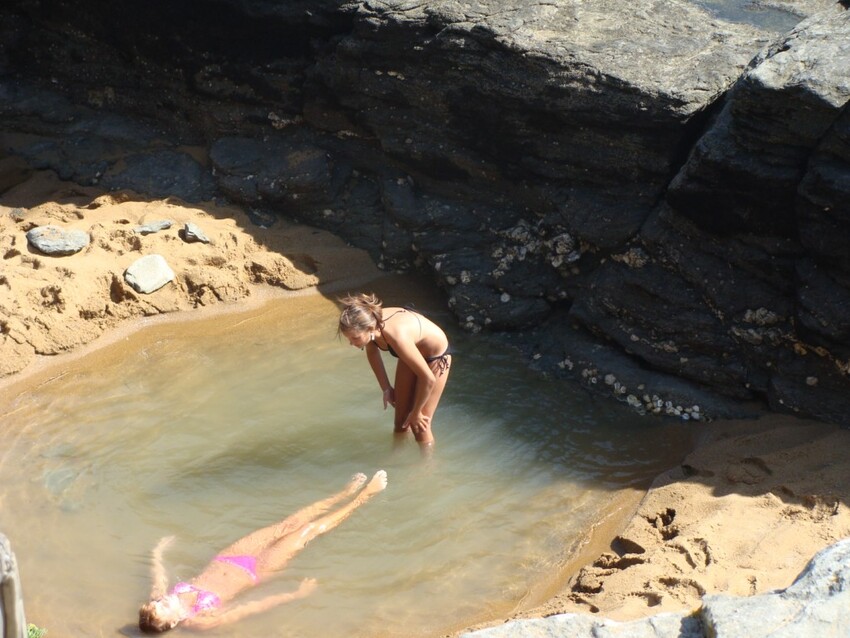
(212,428)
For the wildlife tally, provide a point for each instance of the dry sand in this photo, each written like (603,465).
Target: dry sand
(743,513)
(52,305)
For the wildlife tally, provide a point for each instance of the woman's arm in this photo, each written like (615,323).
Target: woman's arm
(159,578)
(404,345)
(308,585)
(373,355)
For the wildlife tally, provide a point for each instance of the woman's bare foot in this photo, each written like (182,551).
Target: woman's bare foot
(377,484)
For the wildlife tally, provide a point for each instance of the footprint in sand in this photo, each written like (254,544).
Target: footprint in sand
(749,471)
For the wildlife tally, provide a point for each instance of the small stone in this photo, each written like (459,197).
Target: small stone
(192,233)
(56,241)
(154,227)
(148,274)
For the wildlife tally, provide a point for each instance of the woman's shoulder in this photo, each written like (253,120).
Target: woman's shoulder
(397,319)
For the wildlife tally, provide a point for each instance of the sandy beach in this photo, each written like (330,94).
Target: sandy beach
(742,514)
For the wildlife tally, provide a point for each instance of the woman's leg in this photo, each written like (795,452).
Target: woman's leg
(406,380)
(441,372)
(256,541)
(405,391)
(278,554)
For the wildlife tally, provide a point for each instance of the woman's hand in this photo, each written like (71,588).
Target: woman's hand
(418,423)
(307,587)
(389,397)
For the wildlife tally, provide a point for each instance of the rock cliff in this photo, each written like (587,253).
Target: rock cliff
(643,196)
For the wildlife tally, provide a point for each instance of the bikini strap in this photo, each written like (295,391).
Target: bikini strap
(393,315)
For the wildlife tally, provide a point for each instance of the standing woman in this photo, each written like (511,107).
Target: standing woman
(424,359)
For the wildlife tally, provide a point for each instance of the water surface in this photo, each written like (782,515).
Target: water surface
(210,429)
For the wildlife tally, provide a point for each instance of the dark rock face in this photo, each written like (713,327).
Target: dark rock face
(637,192)
(775,167)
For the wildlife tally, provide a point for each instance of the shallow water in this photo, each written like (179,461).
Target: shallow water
(211,429)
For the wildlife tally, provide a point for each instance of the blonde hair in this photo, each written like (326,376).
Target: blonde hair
(360,312)
(150,620)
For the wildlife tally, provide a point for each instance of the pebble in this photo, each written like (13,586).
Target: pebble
(154,227)
(192,233)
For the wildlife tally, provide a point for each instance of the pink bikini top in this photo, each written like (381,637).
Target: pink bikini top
(204,601)
(207,600)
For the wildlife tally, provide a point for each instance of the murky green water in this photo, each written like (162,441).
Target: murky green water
(211,429)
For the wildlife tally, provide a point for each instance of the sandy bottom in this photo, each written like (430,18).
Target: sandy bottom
(742,514)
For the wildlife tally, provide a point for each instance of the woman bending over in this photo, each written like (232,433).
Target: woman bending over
(201,602)
(424,359)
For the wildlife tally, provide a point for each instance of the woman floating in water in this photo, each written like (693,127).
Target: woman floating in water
(201,602)
(424,359)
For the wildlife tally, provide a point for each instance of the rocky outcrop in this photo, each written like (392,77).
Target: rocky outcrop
(746,244)
(816,605)
(643,196)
